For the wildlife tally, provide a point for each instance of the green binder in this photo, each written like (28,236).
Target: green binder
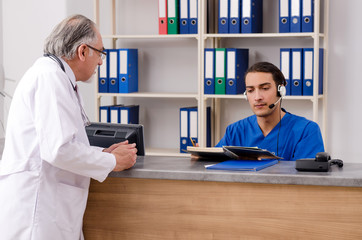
(220,70)
(172,17)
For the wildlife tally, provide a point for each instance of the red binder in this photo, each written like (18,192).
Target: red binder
(162,16)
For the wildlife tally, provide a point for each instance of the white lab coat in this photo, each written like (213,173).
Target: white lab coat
(47,162)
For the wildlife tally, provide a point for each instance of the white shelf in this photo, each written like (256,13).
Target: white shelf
(241,96)
(171,36)
(166,152)
(264,35)
(202,40)
(149,95)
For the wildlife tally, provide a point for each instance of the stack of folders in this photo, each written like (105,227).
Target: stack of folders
(296,16)
(177,16)
(224,70)
(189,129)
(297,66)
(119,114)
(119,71)
(240,16)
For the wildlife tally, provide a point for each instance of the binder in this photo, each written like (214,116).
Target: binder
(189,127)
(209,71)
(193,17)
(193,126)
(234,23)
(172,16)
(113,64)
(308,71)
(285,67)
(223,16)
(184,17)
(104,114)
(296,88)
(295,13)
(184,129)
(252,16)
(128,70)
(113,113)
(162,16)
(103,75)
(237,64)
(308,16)
(284,18)
(220,67)
(129,114)
(208,127)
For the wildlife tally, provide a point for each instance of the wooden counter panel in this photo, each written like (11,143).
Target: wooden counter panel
(142,209)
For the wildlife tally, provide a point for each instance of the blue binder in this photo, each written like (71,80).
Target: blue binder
(297,69)
(114,114)
(308,71)
(209,71)
(113,65)
(129,114)
(184,129)
(128,70)
(321,72)
(184,17)
(237,64)
(103,75)
(284,16)
(234,23)
(193,126)
(208,127)
(104,114)
(286,67)
(308,65)
(193,17)
(295,14)
(252,16)
(308,16)
(223,16)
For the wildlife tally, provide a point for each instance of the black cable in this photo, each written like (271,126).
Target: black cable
(280,125)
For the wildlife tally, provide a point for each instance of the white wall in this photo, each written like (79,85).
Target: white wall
(23,41)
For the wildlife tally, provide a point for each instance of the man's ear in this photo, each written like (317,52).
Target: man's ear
(82,52)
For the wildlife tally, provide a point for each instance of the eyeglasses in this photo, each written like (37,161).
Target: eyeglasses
(102,54)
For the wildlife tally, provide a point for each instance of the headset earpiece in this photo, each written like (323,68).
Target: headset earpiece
(282,91)
(246,97)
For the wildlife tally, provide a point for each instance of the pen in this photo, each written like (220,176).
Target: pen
(193,142)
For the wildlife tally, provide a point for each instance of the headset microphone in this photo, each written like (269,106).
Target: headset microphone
(273,104)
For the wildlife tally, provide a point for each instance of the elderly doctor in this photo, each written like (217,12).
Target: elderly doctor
(47,162)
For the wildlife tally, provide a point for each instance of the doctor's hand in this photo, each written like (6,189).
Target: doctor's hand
(125,156)
(114,146)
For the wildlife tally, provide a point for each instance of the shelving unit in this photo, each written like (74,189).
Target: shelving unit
(195,96)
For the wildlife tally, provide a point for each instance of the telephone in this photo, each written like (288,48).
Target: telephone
(321,163)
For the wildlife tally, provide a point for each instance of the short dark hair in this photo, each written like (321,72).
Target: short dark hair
(267,67)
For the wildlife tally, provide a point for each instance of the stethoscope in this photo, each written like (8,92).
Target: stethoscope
(61,65)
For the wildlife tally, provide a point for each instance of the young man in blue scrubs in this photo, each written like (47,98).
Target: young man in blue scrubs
(272,127)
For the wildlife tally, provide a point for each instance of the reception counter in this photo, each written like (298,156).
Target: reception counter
(177,198)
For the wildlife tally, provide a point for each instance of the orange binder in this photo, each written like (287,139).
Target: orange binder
(162,16)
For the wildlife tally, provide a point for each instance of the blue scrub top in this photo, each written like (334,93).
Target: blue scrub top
(298,137)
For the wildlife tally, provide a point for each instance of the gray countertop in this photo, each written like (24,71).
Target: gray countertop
(181,168)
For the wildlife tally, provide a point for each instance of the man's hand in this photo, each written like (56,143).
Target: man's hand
(125,155)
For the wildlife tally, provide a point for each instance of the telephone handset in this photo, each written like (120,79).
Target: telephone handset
(321,163)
